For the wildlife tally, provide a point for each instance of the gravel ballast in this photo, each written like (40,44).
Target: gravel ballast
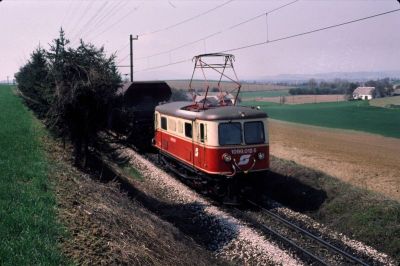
(232,239)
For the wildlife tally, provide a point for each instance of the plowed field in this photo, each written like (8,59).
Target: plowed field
(365,160)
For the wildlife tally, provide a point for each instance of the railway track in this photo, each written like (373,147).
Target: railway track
(316,252)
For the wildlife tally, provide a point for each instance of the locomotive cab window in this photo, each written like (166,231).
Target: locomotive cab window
(230,133)
(254,132)
(188,130)
(164,122)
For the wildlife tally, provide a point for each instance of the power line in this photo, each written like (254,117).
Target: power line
(93,18)
(181,22)
(188,19)
(71,17)
(100,15)
(215,33)
(110,15)
(118,21)
(283,38)
(89,5)
(161,66)
(67,13)
(311,31)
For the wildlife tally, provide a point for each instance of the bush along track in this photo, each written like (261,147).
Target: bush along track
(28,227)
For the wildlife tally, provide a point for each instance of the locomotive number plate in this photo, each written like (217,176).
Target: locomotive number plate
(243,151)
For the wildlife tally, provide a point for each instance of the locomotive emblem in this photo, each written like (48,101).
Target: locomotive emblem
(244,159)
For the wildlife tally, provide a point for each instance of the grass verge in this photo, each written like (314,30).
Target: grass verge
(28,227)
(358,213)
(354,115)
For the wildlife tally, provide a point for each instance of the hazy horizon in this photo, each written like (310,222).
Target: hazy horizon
(366,46)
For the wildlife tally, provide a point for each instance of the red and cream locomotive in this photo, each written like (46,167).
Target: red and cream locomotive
(222,140)
(215,137)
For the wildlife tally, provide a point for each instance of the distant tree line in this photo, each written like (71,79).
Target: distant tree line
(317,91)
(384,87)
(72,89)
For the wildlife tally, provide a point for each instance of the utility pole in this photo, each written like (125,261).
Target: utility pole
(131,53)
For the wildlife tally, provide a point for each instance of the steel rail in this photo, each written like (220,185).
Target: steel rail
(290,242)
(310,235)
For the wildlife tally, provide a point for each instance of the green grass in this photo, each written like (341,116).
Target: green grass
(370,217)
(386,102)
(28,227)
(354,115)
(132,172)
(356,212)
(255,94)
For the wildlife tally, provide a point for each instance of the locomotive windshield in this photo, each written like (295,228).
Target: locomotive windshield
(230,133)
(254,132)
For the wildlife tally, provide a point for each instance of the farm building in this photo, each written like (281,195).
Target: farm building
(364,93)
(396,89)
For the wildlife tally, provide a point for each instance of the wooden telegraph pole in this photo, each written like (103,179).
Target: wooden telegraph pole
(131,53)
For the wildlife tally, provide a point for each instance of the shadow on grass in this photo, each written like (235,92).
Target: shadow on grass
(191,219)
(288,191)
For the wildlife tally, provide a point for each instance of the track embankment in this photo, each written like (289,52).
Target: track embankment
(365,160)
(106,226)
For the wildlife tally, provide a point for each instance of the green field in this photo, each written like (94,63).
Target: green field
(28,227)
(386,102)
(256,94)
(354,115)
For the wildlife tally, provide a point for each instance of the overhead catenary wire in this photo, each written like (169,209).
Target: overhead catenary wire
(187,20)
(67,13)
(216,33)
(83,14)
(101,17)
(311,31)
(101,23)
(92,19)
(180,23)
(117,22)
(72,15)
(282,38)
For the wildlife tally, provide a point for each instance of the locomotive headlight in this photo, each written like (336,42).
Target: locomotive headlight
(261,156)
(227,157)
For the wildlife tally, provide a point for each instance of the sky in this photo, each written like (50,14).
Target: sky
(171,32)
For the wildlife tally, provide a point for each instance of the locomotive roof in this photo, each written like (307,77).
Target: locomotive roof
(177,109)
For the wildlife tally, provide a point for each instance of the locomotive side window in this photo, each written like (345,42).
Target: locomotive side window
(188,130)
(230,133)
(164,122)
(202,132)
(254,132)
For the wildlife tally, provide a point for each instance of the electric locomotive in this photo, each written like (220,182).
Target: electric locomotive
(219,140)
(212,136)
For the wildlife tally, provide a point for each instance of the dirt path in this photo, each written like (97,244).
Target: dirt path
(366,160)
